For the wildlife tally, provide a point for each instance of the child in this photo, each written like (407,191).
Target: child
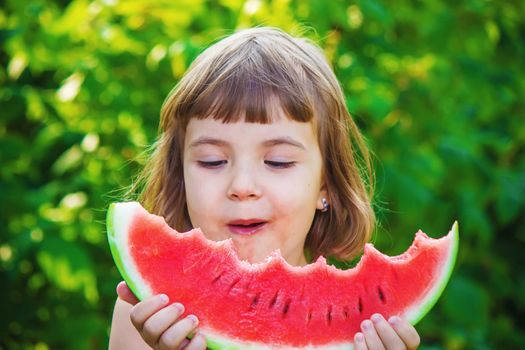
(256,144)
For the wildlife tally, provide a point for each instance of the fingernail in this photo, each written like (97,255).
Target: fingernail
(120,285)
(376,318)
(359,337)
(179,307)
(163,298)
(193,319)
(394,319)
(367,325)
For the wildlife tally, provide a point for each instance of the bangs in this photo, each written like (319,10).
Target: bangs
(253,85)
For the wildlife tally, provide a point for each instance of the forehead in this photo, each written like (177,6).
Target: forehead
(244,133)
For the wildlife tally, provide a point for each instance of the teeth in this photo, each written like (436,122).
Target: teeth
(251,225)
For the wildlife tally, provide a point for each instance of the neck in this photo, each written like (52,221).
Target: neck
(298,260)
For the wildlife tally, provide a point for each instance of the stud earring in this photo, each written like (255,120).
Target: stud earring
(325,205)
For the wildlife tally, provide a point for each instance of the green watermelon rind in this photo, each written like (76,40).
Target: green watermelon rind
(114,241)
(422,309)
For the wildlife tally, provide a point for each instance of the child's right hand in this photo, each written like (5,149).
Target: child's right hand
(159,323)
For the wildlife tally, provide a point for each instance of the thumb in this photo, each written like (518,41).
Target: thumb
(126,294)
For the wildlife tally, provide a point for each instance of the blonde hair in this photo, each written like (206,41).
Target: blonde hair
(240,77)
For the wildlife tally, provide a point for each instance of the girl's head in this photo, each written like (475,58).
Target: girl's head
(258,129)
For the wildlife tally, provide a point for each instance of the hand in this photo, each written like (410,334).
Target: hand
(159,322)
(380,334)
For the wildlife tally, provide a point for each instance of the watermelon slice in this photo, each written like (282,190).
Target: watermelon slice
(273,305)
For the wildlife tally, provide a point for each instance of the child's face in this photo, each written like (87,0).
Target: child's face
(258,184)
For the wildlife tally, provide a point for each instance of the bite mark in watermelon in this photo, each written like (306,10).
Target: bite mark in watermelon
(273,305)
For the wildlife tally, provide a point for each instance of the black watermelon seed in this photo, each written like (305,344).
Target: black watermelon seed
(234,283)
(217,278)
(274,300)
(381,294)
(255,300)
(286,307)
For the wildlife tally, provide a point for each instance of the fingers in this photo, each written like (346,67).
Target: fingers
(126,294)
(378,334)
(160,321)
(161,327)
(176,334)
(372,339)
(359,341)
(406,332)
(198,342)
(184,343)
(387,334)
(143,310)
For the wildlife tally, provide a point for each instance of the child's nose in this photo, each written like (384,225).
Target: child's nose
(243,186)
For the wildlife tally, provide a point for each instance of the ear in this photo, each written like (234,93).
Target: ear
(323,193)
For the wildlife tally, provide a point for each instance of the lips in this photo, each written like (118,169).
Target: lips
(246,227)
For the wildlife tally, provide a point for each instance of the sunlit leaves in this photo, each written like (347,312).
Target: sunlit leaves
(436,86)
(68,267)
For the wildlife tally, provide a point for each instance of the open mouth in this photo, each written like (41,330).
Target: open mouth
(245,227)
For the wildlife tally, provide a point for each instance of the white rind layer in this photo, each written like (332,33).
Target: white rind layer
(417,312)
(217,342)
(120,216)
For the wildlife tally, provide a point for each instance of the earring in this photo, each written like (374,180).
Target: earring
(325,205)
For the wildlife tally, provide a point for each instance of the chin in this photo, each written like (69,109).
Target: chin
(250,254)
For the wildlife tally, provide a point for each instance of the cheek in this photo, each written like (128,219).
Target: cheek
(297,203)
(200,196)
(297,193)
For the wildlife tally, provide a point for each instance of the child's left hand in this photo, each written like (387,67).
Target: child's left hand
(380,334)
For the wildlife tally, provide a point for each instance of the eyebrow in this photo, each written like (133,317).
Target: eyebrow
(208,141)
(286,140)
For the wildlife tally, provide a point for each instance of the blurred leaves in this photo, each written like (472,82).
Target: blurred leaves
(68,267)
(436,86)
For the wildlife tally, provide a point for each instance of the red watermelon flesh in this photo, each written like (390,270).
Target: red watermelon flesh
(273,305)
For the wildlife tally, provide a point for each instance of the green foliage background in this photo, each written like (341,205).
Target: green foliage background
(437,87)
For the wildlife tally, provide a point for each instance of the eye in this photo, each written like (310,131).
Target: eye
(212,164)
(279,165)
